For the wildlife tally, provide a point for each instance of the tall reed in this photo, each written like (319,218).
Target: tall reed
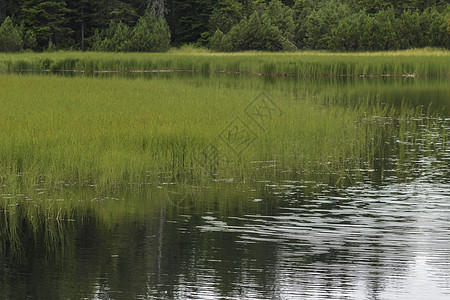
(419,62)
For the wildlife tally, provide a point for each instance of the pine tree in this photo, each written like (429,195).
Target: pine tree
(151,34)
(48,20)
(10,37)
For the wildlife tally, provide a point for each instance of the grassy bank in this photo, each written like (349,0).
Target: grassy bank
(421,62)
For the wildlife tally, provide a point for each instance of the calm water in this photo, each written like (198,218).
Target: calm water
(384,234)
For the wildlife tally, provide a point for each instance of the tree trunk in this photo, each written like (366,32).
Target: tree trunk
(157,7)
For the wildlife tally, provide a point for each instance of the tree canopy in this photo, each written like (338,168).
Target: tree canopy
(224,25)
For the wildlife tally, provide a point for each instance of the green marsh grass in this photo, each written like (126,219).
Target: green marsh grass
(111,135)
(418,62)
(115,131)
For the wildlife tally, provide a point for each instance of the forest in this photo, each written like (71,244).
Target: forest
(223,25)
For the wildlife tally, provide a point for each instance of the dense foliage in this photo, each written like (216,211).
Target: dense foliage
(10,36)
(224,25)
(150,34)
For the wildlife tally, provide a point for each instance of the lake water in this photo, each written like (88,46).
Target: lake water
(383,234)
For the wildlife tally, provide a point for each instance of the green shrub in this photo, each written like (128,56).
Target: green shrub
(29,40)
(409,31)
(151,34)
(10,37)
(437,25)
(370,34)
(320,23)
(115,38)
(256,33)
(282,16)
(302,9)
(260,34)
(224,19)
(216,41)
(346,35)
(380,32)
(270,27)
(388,38)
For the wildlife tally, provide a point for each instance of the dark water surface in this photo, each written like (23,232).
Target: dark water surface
(383,235)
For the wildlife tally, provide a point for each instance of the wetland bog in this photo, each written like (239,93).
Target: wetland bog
(215,185)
